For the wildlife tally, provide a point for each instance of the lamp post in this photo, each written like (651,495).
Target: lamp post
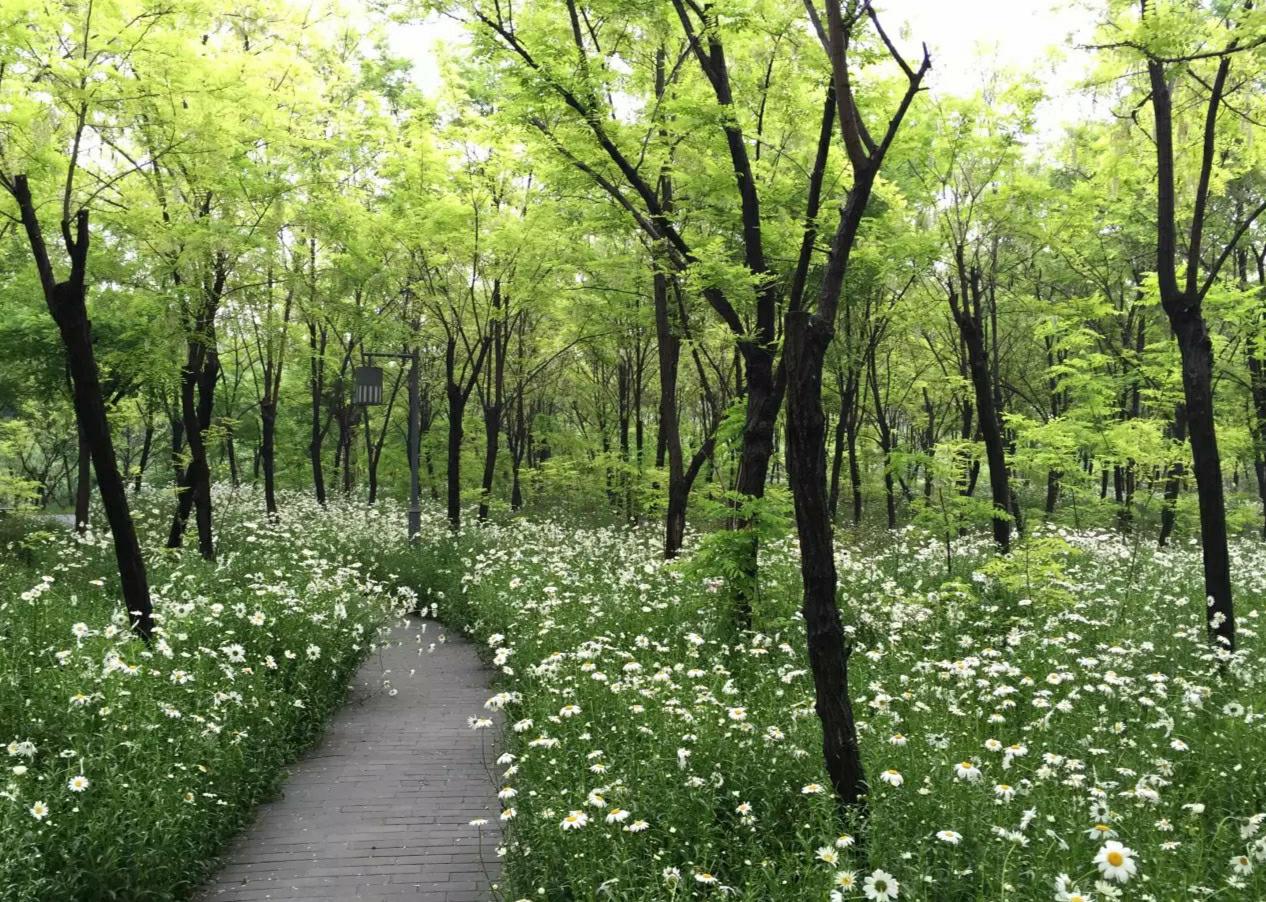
(369,391)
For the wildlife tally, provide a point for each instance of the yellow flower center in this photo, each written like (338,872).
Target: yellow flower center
(1116,859)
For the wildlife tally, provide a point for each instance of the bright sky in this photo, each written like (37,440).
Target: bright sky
(968,38)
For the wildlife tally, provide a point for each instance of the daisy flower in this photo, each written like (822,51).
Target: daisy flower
(881,886)
(1116,862)
(967,771)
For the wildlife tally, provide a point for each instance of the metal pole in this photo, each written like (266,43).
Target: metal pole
(415,440)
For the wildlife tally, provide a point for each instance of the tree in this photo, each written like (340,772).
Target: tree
(808,336)
(1172,66)
(77,93)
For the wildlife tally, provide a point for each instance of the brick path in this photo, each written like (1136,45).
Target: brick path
(381,809)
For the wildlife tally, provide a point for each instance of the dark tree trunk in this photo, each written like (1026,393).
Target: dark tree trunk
(967,315)
(1182,305)
(1197,372)
(493,396)
(805,344)
(66,303)
(1257,383)
(1053,478)
(456,411)
(669,350)
(516,490)
(373,447)
(929,444)
(430,473)
(198,379)
(343,465)
(1259,470)
(764,398)
(177,446)
(274,360)
(1054,475)
(197,399)
(624,416)
(518,440)
(230,451)
(316,382)
(806,338)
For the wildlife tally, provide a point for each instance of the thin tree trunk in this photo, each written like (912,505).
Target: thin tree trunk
(197,398)
(885,442)
(1257,383)
(268,453)
(967,315)
(837,459)
(316,384)
(1174,475)
(492,443)
(1053,477)
(147,446)
(456,411)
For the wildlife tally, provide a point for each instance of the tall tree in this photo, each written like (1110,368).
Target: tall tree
(1181,58)
(808,336)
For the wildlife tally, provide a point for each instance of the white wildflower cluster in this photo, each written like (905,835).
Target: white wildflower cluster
(247,658)
(1085,729)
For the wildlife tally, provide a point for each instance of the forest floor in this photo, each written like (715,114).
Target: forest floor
(382,808)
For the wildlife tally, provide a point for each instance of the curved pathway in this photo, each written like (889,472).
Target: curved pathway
(381,809)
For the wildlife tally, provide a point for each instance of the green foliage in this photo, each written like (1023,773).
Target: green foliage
(1038,566)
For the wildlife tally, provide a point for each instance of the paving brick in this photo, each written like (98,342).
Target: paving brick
(380,811)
